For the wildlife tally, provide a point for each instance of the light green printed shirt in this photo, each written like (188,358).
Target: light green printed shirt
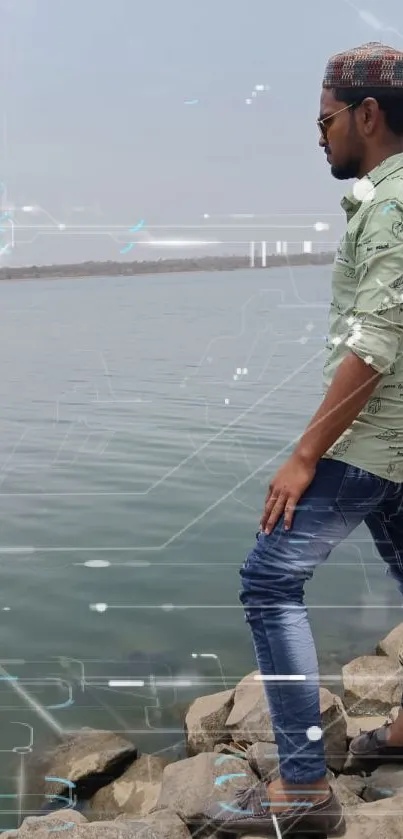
(366,317)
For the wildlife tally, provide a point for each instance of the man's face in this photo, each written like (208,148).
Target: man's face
(341,141)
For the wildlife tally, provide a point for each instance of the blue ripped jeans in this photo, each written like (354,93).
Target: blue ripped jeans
(273,575)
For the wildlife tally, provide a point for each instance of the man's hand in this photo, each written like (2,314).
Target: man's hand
(285,490)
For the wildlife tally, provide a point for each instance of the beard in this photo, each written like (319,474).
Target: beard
(345,171)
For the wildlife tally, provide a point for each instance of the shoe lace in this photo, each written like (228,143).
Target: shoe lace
(251,798)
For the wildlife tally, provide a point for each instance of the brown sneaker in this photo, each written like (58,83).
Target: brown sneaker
(373,745)
(250,813)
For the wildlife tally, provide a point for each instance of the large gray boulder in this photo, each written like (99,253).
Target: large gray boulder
(59,821)
(165,824)
(249,719)
(188,784)
(372,685)
(392,644)
(135,792)
(381,819)
(86,759)
(205,722)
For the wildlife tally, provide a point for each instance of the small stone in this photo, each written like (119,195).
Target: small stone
(355,783)
(385,781)
(334,726)
(231,749)
(394,713)
(345,794)
(263,759)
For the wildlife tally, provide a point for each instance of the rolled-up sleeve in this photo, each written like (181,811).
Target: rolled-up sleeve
(376,329)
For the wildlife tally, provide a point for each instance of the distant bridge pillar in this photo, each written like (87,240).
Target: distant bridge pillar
(252,254)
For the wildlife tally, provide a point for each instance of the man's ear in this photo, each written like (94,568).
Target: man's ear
(370,113)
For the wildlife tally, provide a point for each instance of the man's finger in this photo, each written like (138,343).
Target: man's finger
(275,513)
(289,513)
(268,506)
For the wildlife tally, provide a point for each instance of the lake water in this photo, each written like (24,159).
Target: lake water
(141,420)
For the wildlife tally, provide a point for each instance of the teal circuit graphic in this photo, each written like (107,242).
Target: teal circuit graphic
(134,229)
(6,227)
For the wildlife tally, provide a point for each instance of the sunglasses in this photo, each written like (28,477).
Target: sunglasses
(325,128)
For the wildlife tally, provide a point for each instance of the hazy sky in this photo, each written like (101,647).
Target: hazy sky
(94,116)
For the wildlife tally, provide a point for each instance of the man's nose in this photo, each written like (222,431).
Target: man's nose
(322,141)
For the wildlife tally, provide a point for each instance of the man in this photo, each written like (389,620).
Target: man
(347,467)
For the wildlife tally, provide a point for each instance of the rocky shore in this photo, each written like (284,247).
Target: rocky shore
(159,266)
(97,784)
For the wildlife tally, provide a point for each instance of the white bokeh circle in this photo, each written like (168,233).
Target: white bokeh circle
(314,733)
(364,190)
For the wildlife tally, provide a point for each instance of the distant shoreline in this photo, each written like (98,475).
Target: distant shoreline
(160,266)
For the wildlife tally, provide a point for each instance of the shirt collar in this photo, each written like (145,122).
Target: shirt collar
(350,202)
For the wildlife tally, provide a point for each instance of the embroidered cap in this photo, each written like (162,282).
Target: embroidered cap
(371,65)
